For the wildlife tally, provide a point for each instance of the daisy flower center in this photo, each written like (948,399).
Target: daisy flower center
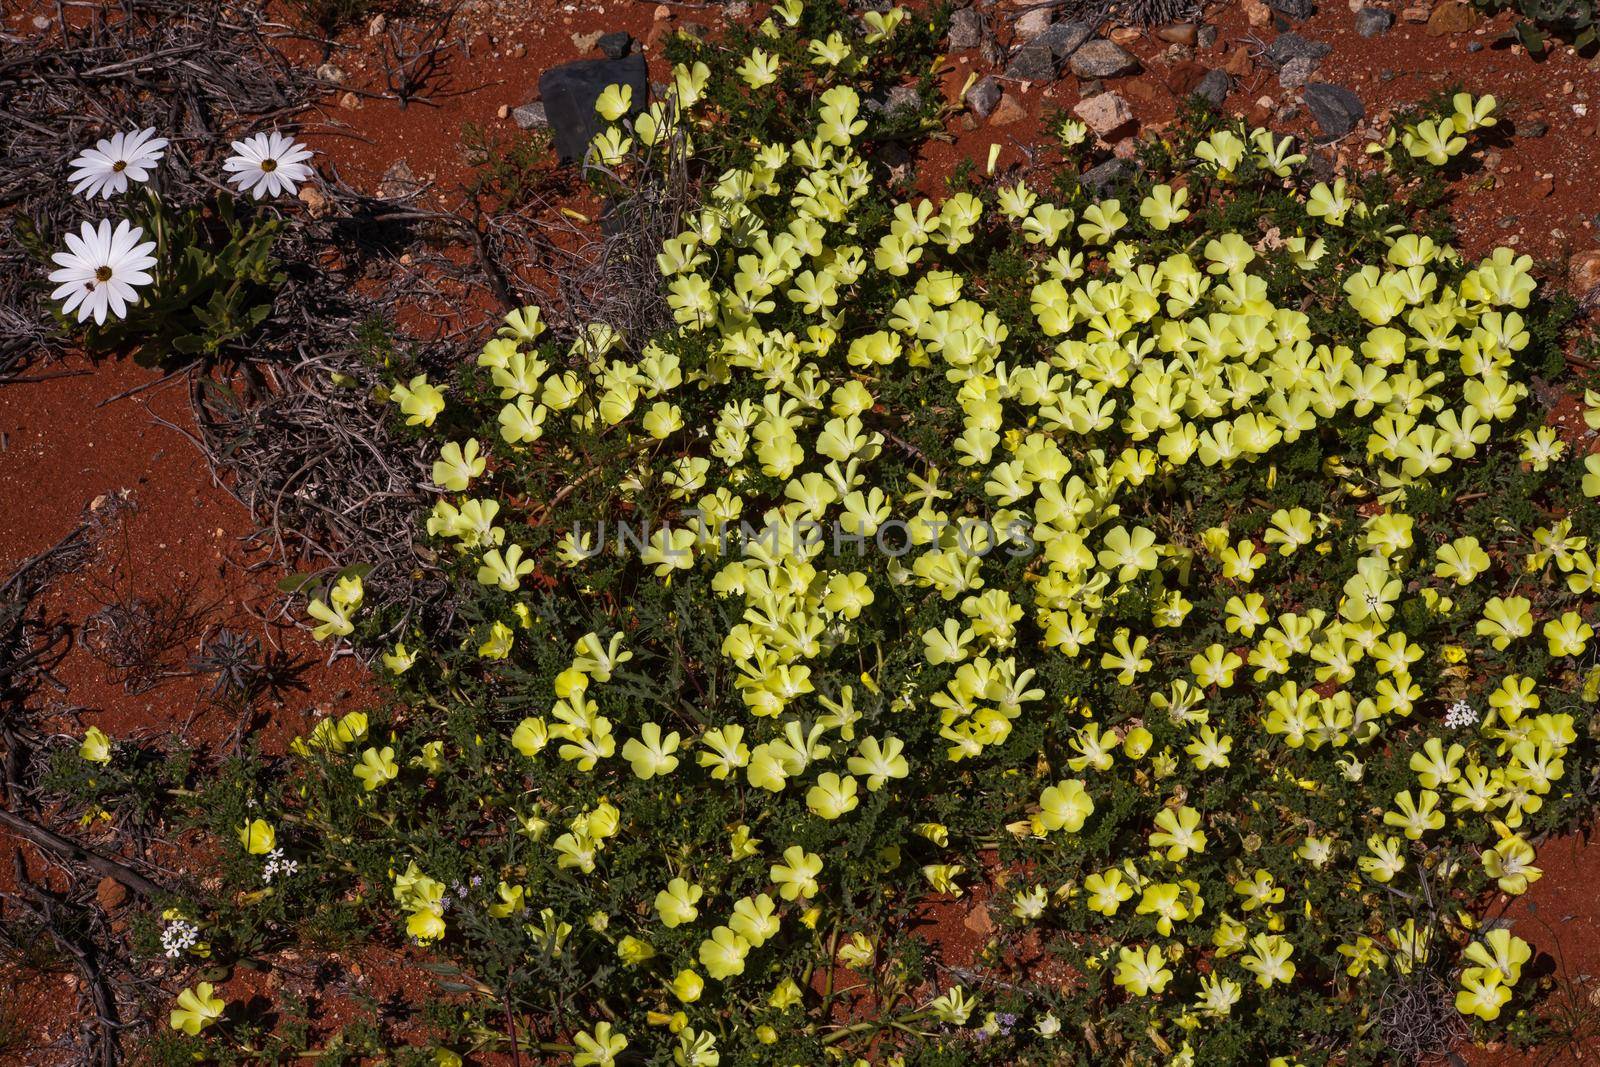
(102,274)
(119,166)
(269,165)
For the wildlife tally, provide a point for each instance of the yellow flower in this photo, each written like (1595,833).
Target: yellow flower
(676,903)
(96,746)
(1063,806)
(796,876)
(258,837)
(634,951)
(420,401)
(400,660)
(650,753)
(599,1047)
(1483,993)
(377,766)
(197,1009)
(1142,973)
(723,953)
(1510,863)
(614,102)
(1164,207)
(687,986)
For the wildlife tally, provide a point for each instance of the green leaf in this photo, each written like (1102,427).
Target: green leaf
(295,583)
(1532,38)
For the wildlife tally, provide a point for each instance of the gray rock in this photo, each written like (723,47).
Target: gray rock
(570,91)
(900,98)
(399,182)
(1107,176)
(983,97)
(1336,109)
(1101,58)
(1215,87)
(615,45)
(1295,9)
(1296,72)
(1324,165)
(1533,129)
(1207,36)
(1287,46)
(1374,21)
(966,29)
(1065,38)
(530,116)
(1040,59)
(1032,22)
(1033,62)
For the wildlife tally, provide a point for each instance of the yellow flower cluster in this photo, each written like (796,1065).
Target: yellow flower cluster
(1152,365)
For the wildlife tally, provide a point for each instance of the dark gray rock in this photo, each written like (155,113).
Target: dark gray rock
(530,117)
(615,45)
(1374,21)
(1533,129)
(1065,38)
(1103,179)
(1101,58)
(1287,46)
(1207,36)
(1040,59)
(966,29)
(1215,87)
(1295,9)
(1033,62)
(983,97)
(1336,109)
(570,91)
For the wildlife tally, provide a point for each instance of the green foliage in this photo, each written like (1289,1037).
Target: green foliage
(1571,21)
(466,813)
(215,282)
(506,809)
(510,171)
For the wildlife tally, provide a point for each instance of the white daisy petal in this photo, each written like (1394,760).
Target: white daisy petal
(102,270)
(268,164)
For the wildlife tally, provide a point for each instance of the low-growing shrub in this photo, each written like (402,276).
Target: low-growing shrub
(1181,593)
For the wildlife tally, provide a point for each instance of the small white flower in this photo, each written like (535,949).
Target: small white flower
(106,169)
(267,164)
(1460,714)
(178,937)
(278,867)
(100,271)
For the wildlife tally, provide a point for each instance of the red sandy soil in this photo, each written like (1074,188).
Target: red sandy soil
(65,440)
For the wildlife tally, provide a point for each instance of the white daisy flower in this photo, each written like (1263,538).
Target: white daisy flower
(100,271)
(267,164)
(107,168)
